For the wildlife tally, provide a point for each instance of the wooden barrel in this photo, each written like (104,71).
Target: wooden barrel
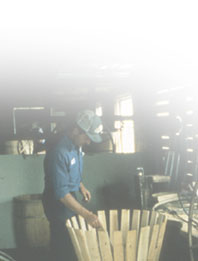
(31,225)
(25,147)
(126,236)
(10,147)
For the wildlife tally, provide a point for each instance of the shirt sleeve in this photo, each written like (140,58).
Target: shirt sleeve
(60,175)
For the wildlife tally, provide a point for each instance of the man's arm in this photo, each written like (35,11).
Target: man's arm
(69,201)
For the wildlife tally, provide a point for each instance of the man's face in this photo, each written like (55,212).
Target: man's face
(80,139)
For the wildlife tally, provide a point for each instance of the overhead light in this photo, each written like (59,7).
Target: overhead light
(165,102)
(190,112)
(165,137)
(188,99)
(189,138)
(189,150)
(162,114)
(165,148)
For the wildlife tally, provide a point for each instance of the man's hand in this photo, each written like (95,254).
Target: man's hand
(93,220)
(86,194)
(69,201)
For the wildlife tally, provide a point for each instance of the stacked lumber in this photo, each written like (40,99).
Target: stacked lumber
(126,236)
(164,196)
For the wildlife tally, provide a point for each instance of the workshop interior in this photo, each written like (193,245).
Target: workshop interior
(147,160)
(135,66)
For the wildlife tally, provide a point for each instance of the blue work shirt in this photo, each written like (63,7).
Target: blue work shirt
(63,173)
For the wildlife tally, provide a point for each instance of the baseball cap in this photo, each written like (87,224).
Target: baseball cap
(91,124)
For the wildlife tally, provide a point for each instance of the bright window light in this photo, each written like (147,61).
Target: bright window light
(99,110)
(124,106)
(124,136)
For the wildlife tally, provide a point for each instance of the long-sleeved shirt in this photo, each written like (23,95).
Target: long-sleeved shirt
(63,173)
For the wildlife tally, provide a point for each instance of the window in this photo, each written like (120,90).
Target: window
(124,136)
(99,110)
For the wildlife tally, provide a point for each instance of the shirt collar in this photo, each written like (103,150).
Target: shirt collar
(71,145)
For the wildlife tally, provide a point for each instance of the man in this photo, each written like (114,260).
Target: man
(63,177)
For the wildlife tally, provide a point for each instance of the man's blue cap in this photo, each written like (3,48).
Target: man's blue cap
(91,124)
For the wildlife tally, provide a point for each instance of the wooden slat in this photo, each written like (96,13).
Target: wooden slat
(154,216)
(90,228)
(165,196)
(153,221)
(75,243)
(153,243)
(82,223)
(161,219)
(105,248)
(83,244)
(160,239)
(125,220)
(145,218)
(135,225)
(143,244)
(159,178)
(92,244)
(74,222)
(118,248)
(113,222)
(102,218)
(135,220)
(68,223)
(130,252)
